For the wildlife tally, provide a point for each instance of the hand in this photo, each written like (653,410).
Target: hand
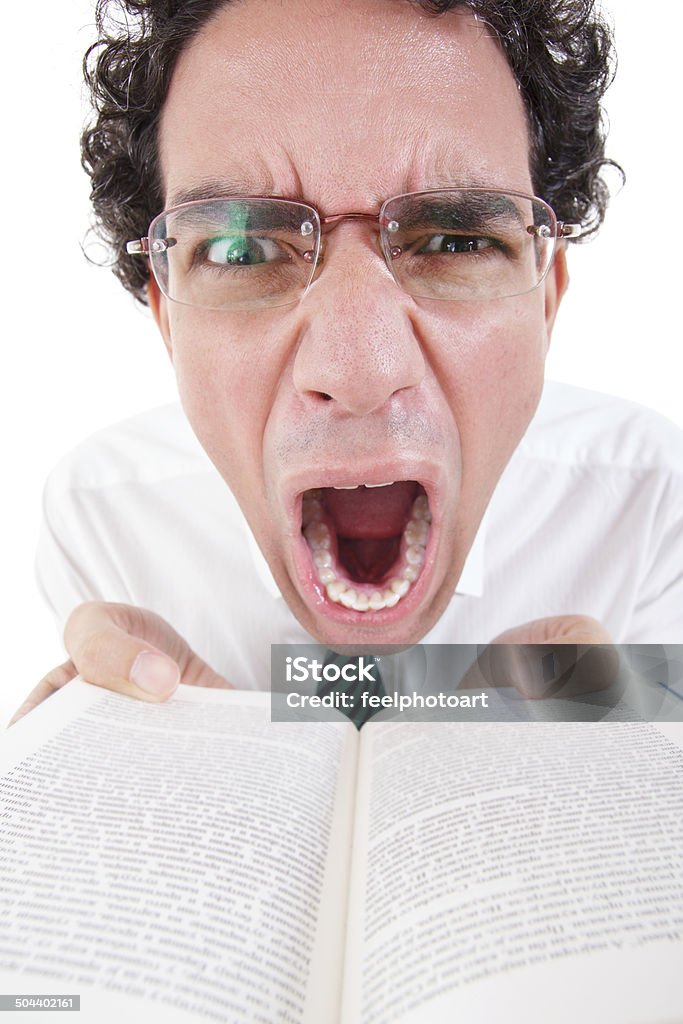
(563,656)
(126,649)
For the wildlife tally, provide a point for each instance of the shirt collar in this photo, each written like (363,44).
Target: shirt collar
(470,584)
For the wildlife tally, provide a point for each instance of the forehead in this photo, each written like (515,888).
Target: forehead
(341,102)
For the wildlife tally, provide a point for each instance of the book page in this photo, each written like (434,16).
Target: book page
(177,854)
(527,872)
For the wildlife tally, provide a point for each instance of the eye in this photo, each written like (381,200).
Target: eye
(240,251)
(457,244)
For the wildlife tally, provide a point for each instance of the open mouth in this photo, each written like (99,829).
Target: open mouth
(367,542)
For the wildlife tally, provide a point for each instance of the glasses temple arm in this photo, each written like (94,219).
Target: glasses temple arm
(569,230)
(139,246)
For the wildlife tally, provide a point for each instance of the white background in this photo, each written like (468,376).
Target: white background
(77,354)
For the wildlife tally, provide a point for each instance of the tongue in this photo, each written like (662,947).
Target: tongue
(368,561)
(371,513)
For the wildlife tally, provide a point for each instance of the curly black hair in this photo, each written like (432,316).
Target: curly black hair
(560,52)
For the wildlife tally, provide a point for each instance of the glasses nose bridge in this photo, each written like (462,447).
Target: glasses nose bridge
(333,220)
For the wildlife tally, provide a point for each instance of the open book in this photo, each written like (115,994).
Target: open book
(193,861)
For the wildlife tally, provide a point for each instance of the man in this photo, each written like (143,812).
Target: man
(361,383)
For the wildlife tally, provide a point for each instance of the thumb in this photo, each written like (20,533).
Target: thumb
(132,651)
(112,658)
(560,656)
(109,651)
(557,629)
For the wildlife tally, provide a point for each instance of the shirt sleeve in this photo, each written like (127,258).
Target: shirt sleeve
(74,560)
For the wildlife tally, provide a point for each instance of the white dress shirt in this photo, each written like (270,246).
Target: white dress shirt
(587,518)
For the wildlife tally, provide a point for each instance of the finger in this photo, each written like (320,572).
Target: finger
(561,656)
(558,656)
(111,646)
(557,629)
(147,625)
(539,671)
(53,681)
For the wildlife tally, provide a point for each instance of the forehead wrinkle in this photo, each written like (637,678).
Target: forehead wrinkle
(429,164)
(306,153)
(262,166)
(422,159)
(280,178)
(421,162)
(434,164)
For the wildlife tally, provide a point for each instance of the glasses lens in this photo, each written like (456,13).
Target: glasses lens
(235,254)
(468,243)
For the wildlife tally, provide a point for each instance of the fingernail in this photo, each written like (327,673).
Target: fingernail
(155,674)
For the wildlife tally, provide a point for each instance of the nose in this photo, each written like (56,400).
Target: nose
(358,344)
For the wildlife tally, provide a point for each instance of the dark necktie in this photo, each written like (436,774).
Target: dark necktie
(358,713)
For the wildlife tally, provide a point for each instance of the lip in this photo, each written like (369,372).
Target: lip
(430,476)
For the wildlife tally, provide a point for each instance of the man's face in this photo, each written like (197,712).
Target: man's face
(344,104)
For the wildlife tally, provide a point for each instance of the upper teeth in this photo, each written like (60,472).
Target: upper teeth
(353,487)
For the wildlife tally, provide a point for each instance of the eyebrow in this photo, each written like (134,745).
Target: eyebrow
(472,210)
(465,210)
(222,188)
(234,213)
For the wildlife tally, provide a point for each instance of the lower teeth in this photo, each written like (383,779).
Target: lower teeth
(415,534)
